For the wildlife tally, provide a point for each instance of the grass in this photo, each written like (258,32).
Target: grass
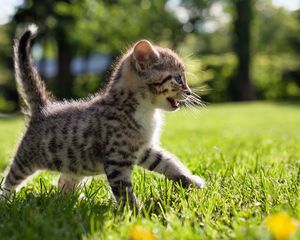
(249,155)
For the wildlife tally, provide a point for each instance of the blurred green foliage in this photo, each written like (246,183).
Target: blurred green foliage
(268,76)
(87,83)
(70,29)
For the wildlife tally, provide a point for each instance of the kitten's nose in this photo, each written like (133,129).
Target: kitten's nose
(187,91)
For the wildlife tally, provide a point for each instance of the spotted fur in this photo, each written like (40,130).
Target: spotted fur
(107,133)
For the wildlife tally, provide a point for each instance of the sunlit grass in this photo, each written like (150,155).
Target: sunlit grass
(248,154)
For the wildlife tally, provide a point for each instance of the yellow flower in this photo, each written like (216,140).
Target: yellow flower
(141,233)
(282,225)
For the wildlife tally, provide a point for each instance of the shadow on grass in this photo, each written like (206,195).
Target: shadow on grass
(47,213)
(51,215)
(9,116)
(294,104)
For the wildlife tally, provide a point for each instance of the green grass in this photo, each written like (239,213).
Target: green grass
(249,155)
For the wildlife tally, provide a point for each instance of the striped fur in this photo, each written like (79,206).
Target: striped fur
(107,133)
(29,84)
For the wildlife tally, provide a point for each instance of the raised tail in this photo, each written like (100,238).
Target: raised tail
(30,86)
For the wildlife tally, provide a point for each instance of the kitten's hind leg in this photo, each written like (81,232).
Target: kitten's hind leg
(68,182)
(19,170)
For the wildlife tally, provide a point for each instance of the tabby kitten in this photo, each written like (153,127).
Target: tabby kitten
(107,133)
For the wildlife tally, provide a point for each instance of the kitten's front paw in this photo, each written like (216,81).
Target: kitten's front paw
(191,180)
(198,181)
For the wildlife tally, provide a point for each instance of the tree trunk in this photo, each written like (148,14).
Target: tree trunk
(241,88)
(63,84)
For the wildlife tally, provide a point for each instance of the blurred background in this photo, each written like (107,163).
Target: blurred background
(235,50)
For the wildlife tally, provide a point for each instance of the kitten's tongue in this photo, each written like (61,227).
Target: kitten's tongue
(173,101)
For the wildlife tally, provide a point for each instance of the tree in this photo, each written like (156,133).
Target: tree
(240,86)
(43,13)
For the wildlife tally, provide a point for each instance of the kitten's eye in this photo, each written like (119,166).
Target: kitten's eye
(178,79)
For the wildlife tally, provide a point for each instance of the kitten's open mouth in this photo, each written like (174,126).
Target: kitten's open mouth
(174,102)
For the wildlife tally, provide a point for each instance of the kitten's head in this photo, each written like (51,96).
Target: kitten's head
(162,73)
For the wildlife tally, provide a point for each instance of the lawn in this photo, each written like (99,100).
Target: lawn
(249,155)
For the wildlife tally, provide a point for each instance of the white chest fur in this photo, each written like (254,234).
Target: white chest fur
(150,120)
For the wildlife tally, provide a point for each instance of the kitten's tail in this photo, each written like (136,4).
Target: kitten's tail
(30,86)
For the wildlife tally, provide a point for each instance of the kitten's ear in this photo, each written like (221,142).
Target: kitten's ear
(144,54)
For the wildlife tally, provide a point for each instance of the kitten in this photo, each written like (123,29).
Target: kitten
(107,133)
